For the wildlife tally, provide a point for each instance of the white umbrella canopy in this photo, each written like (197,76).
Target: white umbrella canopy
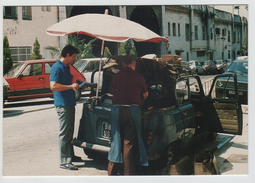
(104,27)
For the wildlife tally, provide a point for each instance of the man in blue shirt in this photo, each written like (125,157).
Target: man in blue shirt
(64,101)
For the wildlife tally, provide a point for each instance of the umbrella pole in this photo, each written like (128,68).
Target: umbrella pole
(100,65)
(99,75)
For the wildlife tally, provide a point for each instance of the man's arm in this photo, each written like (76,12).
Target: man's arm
(54,86)
(145,95)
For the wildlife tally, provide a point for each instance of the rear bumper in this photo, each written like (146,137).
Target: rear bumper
(87,145)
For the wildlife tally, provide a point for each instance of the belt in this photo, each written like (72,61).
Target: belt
(125,105)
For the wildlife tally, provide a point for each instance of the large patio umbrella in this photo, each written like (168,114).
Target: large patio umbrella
(105,27)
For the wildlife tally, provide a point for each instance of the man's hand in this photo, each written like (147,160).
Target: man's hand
(145,95)
(75,86)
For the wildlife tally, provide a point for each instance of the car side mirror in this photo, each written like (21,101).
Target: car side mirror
(20,76)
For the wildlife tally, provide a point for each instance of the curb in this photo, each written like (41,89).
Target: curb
(22,112)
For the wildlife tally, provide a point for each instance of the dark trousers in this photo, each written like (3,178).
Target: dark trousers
(129,143)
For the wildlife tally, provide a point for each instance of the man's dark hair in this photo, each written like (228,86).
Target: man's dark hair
(69,49)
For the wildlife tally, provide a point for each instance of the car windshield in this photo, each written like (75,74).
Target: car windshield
(206,63)
(218,62)
(239,67)
(79,64)
(15,70)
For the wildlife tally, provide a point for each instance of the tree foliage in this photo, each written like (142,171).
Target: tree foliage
(107,52)
(127,48)
(7,60)
(85,50)
(36,51)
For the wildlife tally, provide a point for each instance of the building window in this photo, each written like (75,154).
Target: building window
(204,33)
(228,36)
(217,31)
(223,32)
(228,54)
(10,12)
(46,8)
(238,37)
(174,29)
(200,53)
(20,53)
(179,30)
(234,36)
(211,33)
(26,13)
(169,29)
(196,32)
(187,31)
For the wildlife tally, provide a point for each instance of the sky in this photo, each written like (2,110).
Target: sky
(243,12)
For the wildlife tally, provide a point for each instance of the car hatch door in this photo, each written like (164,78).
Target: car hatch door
(182,93)
(222,106)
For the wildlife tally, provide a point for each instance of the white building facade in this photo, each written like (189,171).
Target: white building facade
(204,33)
(22,25)
(196,32)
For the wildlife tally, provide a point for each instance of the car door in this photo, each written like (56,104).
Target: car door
(30,82)
(182,93)
(223,112)
(46,77)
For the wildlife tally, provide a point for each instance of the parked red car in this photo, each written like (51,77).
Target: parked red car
(30,79)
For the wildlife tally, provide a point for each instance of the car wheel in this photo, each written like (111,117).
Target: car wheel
(95,154)
(170,155)
(77,94)
(170,159)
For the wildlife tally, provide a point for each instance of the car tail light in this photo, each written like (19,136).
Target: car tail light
(150,137)
(199,113)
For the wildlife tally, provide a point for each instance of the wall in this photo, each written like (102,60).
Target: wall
(24,32)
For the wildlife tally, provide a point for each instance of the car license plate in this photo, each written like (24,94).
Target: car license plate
(231,92)
(106,130)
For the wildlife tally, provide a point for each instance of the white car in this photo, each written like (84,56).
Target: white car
(196,67)
(242,58)
(86,66)
(221,66)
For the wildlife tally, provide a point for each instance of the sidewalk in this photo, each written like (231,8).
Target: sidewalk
(232,158)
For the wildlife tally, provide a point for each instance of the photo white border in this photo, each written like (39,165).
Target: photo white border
(208,179)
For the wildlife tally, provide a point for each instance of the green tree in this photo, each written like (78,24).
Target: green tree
(85,50)
(107,52)
(133,49)
(7,60)
(36,51)
(127,48)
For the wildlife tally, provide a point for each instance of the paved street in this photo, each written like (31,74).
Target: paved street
(29,152)
(32,139)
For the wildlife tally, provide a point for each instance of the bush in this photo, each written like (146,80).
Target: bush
(36,51)
(7,60)
(126,48)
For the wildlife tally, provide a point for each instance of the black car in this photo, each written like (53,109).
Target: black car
(225,87)
(210,67)
(174,116)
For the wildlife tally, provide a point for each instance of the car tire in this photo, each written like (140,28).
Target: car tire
(77,94)
(169,159)
(95,155)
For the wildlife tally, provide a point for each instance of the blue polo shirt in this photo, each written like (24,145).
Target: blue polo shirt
(60,73)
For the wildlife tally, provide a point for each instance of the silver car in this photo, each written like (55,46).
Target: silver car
(87,66)
(196,67)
